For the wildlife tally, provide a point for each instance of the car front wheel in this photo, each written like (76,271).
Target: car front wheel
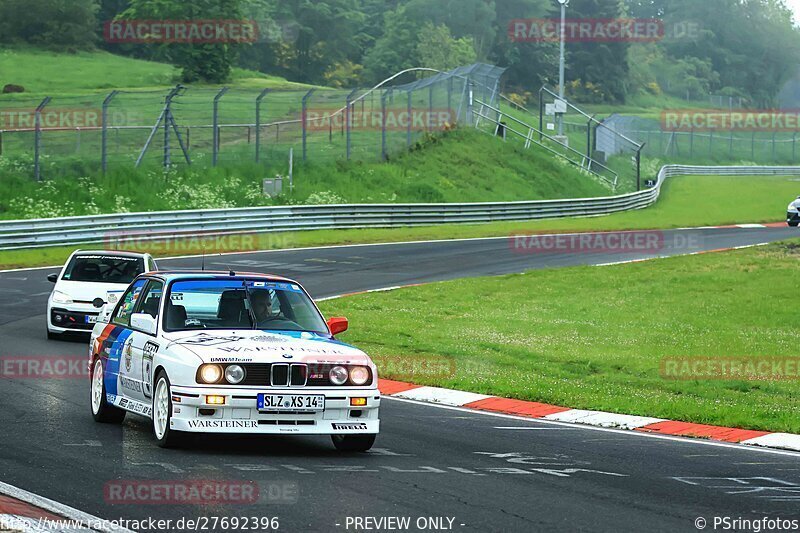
(162,414)
(353,443)
(102,411)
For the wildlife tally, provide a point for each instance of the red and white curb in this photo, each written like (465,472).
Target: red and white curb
(25,512)
(495,404)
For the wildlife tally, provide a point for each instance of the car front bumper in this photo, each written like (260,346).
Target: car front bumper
(240,414)
(70,318)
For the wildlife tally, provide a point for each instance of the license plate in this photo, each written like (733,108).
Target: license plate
(91,319)
(290,402)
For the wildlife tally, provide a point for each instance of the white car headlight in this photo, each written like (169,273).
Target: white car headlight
(210,374)
(338,375)
(359,375)
(234,374)
(61,298)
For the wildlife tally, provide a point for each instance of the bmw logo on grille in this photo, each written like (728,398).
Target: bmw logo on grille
(287,356)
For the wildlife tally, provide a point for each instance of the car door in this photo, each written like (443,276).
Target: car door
(143,346)
(114,342)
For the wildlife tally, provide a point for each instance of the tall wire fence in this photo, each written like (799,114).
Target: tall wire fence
(210,127)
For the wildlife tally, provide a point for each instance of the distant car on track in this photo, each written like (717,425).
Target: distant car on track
(86,277)
(793,213)
(245,354)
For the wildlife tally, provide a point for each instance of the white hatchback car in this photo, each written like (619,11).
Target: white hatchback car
(87,278)
(244,354)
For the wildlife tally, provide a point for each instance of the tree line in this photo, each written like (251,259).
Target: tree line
(745,48)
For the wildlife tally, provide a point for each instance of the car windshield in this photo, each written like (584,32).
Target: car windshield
(241,304)
(103,269)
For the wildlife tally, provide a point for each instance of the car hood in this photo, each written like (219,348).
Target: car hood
(85,291)
(254,346)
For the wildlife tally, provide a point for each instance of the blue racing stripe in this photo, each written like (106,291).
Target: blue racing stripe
(116,340)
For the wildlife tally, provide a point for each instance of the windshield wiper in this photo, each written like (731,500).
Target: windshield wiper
(253,319)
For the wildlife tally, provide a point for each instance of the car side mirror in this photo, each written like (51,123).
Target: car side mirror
(338,325)
(143,322)
(52,278)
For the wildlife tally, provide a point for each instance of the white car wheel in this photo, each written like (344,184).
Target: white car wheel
(161,408)
(97,386)
(162,415)
(102,411)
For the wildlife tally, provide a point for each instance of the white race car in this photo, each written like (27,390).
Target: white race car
(793,213)
(87,276)
(246,354)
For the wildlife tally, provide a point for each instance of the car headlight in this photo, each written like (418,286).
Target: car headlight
(61,298)
(234,374)
(359,375)
(338,375)
(210,373)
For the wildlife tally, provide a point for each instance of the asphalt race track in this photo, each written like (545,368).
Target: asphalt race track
(485,472)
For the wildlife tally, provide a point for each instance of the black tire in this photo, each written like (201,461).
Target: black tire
(793,224)
(353,443)
(170,438)
(102,411)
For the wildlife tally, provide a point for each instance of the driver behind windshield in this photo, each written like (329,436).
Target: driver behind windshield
(262,306)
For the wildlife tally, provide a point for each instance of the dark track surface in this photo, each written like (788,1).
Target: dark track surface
(428,461)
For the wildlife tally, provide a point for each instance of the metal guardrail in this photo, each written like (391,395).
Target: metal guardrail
(118,228)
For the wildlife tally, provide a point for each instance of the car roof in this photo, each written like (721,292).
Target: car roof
(119,253)
(171,275)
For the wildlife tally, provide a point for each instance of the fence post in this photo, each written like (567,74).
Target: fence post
(589,141)
(430,108)
(449,93)
(349,122)
(384,153)
(471,104)
(730,147)
(753,146)
(639,167)
(259,98)
(541,113)
(794,146)
(37,138)
(215,149)
(104,126)
(774,151)
(303,119)
(410,111)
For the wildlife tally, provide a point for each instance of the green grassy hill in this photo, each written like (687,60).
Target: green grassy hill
(44,73)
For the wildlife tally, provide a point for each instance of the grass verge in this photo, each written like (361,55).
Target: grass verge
(686,201)
(595,338)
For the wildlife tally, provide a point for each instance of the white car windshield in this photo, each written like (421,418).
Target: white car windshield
(240,304)
(103,269)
